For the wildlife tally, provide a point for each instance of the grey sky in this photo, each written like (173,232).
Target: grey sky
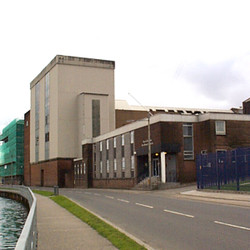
(226,81)
(168,53)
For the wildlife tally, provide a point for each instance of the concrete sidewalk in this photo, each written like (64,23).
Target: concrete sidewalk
(223,197)
(59,229)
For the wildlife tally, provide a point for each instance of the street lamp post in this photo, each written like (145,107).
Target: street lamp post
(149,142)
(149,153)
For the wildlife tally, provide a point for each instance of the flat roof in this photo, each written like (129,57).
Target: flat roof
(75,61)
(123,105)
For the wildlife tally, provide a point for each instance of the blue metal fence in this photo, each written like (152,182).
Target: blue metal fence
(222,168)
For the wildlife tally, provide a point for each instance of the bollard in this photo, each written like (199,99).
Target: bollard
(56,190)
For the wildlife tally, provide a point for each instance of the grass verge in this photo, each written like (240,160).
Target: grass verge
(44,193)
(118,239)
(244,186)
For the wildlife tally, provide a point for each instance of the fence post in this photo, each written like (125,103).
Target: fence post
(217,172)
(237,173)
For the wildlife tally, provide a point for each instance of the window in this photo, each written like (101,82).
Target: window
(107,166)
(100,151)
(132,162)
(100,169)
(107,149)
(46,116)
(47,137)
(188,141)
(123,174)
(123,163)
(132,135)
(96,118)
(132,142)
(123,140)
(123,152)
(115,165)
(81,167)
(220,127)
(37,114)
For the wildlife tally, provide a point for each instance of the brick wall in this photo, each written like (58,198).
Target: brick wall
(246,107)
(57,172)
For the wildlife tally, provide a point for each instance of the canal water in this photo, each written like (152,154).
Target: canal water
(12,218)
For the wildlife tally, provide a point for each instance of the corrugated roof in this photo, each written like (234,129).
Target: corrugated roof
(123,105)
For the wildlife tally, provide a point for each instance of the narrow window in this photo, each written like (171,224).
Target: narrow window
(123,140)
(132,137)
(95,118)
(100,169)
(188,141)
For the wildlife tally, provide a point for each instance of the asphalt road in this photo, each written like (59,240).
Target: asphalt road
(165,221)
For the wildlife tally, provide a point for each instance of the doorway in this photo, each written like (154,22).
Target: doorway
(171,168)
(156,167)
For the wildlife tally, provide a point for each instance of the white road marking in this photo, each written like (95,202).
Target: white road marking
(97,194)
(178,213)
(123,200)
(231,225)
(110,197)
(143,205)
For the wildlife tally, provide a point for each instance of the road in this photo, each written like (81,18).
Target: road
(165,221)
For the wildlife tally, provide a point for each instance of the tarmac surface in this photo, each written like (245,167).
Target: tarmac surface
(59,229)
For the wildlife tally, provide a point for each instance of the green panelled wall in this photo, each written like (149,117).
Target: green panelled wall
(12,149)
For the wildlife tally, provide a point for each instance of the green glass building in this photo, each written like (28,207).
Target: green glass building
(12,153)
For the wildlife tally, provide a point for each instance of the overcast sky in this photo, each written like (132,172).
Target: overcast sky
(178,53)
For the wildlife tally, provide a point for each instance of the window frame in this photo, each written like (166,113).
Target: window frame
(217,126)
(188,155)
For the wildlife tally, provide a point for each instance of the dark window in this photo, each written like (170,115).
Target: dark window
(122,151)
(132,174)
(47,137)
(132,149)
(95,118)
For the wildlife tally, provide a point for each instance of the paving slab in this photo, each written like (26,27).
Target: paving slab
(224,197)
(59,229)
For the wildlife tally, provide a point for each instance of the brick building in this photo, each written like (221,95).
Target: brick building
(77,135)
(119,159)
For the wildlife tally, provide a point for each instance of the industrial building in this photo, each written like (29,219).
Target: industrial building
(72,99)
(119,159)
(12,153)
(77,135)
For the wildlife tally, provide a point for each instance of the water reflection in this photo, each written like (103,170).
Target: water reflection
(12,219)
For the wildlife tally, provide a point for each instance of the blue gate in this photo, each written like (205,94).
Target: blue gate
(223,168)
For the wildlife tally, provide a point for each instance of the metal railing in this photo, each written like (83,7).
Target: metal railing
(223,168)
(28,237)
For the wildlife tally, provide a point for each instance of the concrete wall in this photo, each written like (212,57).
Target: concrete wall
(69,78)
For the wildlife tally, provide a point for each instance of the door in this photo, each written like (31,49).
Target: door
(171,168)
(156,167)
